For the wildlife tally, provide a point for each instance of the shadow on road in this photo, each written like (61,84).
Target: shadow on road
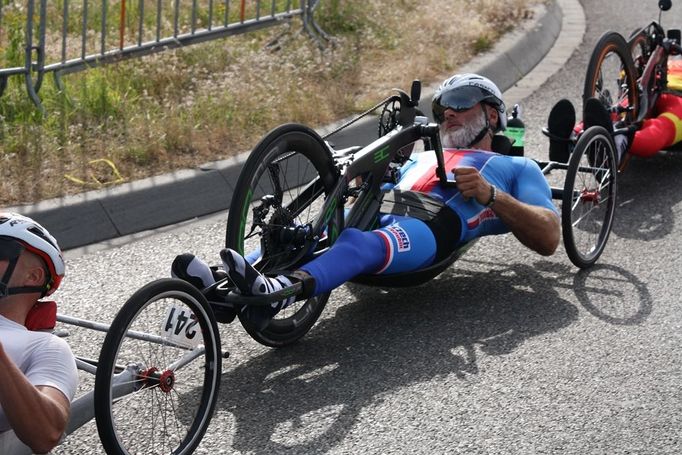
(647,191)
(613,294)
(315,390)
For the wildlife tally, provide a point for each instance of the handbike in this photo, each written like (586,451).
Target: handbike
(627,76)
(295,189)
(158,372)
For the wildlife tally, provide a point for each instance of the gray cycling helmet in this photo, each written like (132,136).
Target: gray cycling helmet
(463,91)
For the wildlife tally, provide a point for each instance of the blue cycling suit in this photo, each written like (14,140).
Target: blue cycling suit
(403,244)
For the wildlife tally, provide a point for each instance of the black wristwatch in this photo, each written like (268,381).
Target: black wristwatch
(493,194)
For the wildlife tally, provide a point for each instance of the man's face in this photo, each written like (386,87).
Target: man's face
(24,271)
(9,249)
(16,274)
(457,119)
(460,128)
(4,264)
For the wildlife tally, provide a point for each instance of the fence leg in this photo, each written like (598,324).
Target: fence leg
(311,8)
(61,87)
(28,61)
(309,24)
(40,50)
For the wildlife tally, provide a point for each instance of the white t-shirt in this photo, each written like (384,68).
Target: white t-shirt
(46,360)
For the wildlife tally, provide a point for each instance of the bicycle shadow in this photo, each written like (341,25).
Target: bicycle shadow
(312,393)
(647,191)
(602,290)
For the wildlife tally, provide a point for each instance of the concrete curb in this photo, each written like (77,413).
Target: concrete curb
(154,202)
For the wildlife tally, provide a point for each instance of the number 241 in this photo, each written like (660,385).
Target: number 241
(182,322)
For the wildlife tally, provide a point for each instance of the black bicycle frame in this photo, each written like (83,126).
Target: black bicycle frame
(370,164)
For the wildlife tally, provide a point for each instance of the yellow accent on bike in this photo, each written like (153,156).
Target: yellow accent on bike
(674,75)
(678,125)
(675,82)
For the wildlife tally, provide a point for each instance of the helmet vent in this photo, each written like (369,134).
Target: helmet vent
(39,232)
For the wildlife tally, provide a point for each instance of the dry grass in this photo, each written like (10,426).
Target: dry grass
(183,108)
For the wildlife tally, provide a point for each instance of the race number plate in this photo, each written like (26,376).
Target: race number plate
(181,327)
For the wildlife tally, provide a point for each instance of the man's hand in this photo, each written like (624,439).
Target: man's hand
(471,184)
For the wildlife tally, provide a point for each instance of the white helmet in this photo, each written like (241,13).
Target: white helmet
(463,91)
(18,232)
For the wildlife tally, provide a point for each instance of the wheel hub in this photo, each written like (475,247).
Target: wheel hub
(590,196)
(166,381)
(151,377)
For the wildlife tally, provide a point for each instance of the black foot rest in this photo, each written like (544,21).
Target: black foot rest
(595,113)
(555,137)
(561,121)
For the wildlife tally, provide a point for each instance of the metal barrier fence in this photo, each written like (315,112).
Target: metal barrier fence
(65,36)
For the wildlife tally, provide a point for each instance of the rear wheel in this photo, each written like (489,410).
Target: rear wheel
(589,198)
(612,78)
(279,194)
(159,371)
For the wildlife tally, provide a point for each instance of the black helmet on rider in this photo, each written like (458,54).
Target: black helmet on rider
(19,233)
(461,92)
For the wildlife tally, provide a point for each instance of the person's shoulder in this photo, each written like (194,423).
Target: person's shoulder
(8,324)
(518,166)
(468,151)
(48,342)
(515,161)
(57,342)
(521,161)
(472,153)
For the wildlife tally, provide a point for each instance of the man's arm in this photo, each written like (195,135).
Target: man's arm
(38,415)
(536,227)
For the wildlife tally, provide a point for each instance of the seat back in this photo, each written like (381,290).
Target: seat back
(42,316)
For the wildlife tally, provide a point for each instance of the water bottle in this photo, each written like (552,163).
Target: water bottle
(516,131)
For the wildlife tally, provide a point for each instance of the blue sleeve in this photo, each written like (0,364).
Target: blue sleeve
(531,186)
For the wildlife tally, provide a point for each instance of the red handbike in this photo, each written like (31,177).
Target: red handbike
(628,76)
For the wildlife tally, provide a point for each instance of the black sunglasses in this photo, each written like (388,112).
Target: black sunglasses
(460,100)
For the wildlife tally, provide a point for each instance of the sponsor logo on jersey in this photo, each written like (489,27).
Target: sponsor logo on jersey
(480,217)
(401,238)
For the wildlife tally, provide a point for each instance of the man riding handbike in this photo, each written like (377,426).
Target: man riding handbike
(420,222)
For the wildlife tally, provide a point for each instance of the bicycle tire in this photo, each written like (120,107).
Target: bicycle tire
(589,197)
(640,46)
(183,394)
(300,153)
(611,70)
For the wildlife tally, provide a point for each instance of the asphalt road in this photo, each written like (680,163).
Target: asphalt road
(504,353)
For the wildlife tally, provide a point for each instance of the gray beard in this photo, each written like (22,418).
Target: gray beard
(460,137)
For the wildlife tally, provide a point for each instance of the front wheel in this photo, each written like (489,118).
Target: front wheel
(612,78)
(158,372)
(280,193)
(589,197)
